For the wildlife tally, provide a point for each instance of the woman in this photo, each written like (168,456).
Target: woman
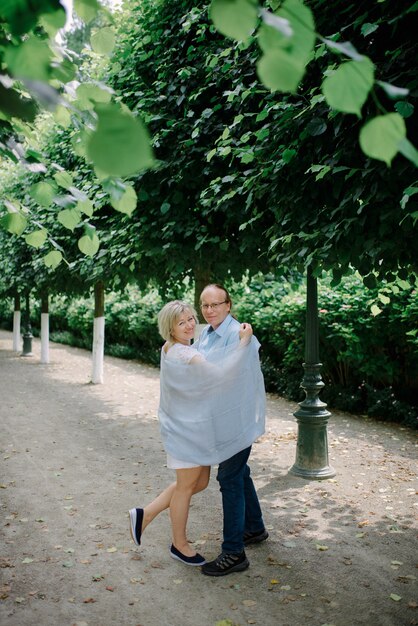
(176,324)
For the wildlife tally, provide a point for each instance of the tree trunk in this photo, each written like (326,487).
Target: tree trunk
(98,334)
(45,328)
(16,324)
(202,277)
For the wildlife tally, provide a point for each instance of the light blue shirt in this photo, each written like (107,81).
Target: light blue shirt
(227,334)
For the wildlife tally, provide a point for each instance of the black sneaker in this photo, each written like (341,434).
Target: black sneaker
(226,564)
(257,537)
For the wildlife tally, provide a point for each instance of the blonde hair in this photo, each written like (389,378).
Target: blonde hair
(169,314)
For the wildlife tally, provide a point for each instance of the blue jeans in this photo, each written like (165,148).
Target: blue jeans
(241,508)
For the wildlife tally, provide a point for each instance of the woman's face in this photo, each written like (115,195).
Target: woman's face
(183,328)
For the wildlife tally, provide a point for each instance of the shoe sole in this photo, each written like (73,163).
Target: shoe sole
(240,567)
(174,556)
(258,539)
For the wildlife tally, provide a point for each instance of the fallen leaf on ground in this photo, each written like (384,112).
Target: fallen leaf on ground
(321,548)
(395,597)
(113,549)
(89,601)
(27,560)
(109,588)
(249,602)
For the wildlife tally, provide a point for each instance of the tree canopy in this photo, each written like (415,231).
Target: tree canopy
(250,172)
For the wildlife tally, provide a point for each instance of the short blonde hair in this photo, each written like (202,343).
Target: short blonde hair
(169,314)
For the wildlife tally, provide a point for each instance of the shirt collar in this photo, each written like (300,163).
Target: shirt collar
(221,330)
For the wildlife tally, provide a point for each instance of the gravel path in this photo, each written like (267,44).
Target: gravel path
(74,457)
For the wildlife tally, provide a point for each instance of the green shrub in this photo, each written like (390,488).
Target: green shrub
(370,364)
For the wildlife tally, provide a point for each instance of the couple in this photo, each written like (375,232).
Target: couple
(212,408)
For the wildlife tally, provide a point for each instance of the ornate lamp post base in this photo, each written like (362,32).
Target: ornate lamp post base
(27,343)
(312,417)
(27,337)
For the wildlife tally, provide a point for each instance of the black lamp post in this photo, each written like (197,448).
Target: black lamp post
(312,416)
(27,337)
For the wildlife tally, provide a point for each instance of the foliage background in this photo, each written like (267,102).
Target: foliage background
(370,364)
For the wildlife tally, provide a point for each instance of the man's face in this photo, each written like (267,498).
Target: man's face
(213,306)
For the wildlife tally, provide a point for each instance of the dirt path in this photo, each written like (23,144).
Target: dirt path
(74,457)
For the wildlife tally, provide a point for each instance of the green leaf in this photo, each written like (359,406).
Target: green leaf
(14,223)
(409,151)
(381,137)
(120,146)
(302,24)
(89,245)
(86,9)
(247,157)
(269,37)
(69,218)
(53,22)
(86,207)
(279,71)
(127,203)
(36,238)
(32,59)
(63,179)
(103,41)
(42,193)
(88,94)
(53,259)
(234,18)
(368,29)
(348,87)
(375,310)
(406,109)
(65,71)
(62,116)
(288,155)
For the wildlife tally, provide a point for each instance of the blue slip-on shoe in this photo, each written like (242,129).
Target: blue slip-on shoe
(136,516)
(195,560)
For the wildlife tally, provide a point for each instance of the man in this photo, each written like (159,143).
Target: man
(243,522)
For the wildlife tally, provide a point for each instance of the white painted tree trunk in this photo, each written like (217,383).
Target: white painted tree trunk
(44,337)
(98,350)
(17,341)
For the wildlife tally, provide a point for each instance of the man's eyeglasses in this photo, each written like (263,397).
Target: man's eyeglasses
(214,306)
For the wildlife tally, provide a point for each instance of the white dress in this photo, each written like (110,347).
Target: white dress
(180,353)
